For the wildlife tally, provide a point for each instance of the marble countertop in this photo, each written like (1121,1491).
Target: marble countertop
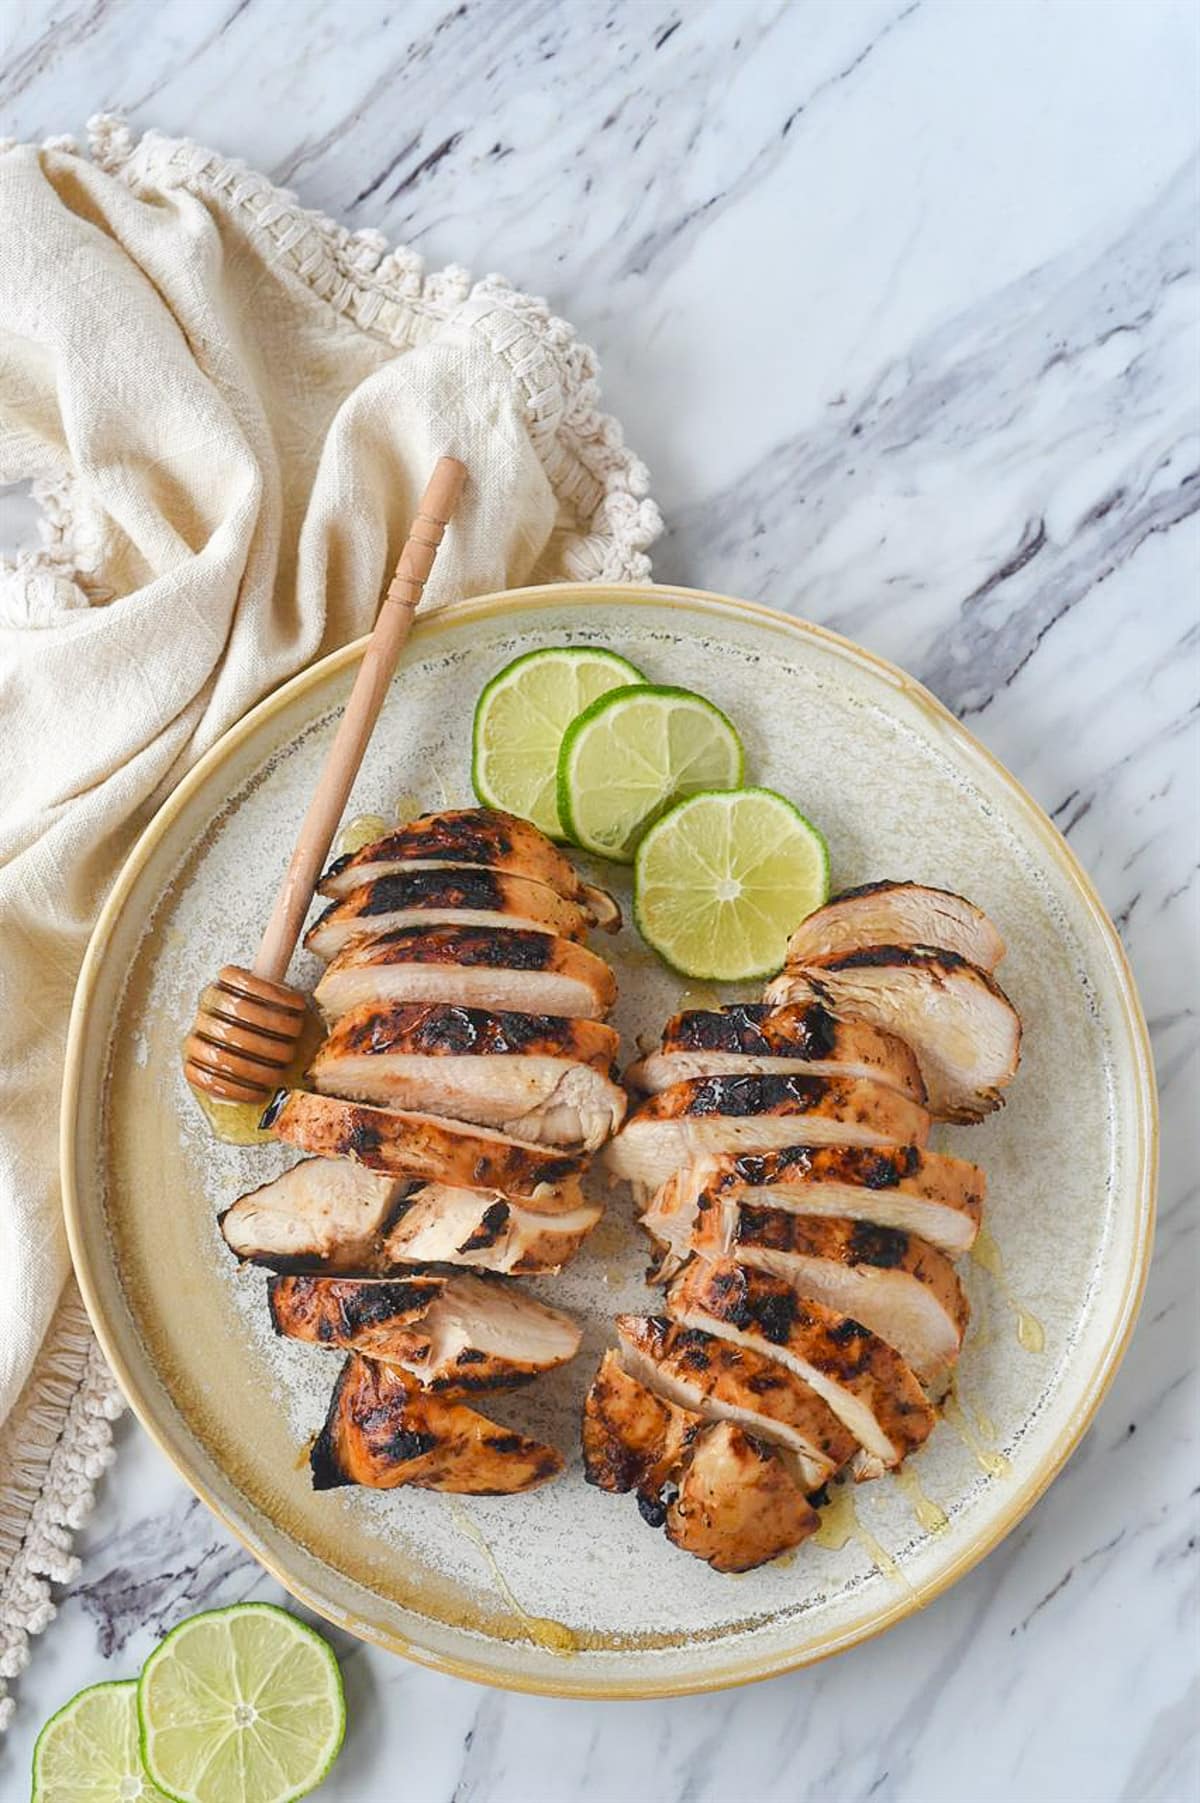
(898,300)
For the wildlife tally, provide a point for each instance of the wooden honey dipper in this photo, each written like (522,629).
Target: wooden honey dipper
(249,1021)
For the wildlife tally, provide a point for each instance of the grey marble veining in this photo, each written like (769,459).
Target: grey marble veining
(898,299)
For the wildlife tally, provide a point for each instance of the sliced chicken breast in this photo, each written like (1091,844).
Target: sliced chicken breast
(416,1145)
(865,1382)
(382,1432)
(539,1077)
(633,1439)
(892,1283)
(724,1382)
(321,1214)
(738,1505)
(447,1226)
(753,1039)
(745,1115)
(897,914)
(964,1030)
(479,837)
(474,967)
(465,897)
(453,1335)
(926,1193)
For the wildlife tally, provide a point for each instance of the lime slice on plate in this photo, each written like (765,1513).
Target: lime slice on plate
(723,879)
(240,1705)
(631,754)
(520,720)
(88,1752)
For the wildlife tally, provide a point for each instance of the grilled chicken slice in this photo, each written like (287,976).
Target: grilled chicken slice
(959,1022)
(326,1216)
(482,838)
(752,1039)
(468,898)
(892,1283)
(743,1115)
(452,1335)
(865,1382)
(540,1077)
(382,1432)
(723,1382)
(897,914)
(927,1193)
(477,967)
(738,1505)
(416,1145)
(633,1439)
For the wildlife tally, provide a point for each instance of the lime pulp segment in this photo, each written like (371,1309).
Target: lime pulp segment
(240,1705)
(722,879)
(520,720)
(631,754)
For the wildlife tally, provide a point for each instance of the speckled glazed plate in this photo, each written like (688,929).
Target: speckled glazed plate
(477,1587)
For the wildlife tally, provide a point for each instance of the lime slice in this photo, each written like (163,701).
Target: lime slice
(520,720)
(723,879)
(240,1705)
(88,1752)
(634,752)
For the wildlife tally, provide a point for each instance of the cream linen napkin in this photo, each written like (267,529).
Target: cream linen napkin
(228,407)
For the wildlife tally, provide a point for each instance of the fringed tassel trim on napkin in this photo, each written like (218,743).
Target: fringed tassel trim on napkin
(53,1447)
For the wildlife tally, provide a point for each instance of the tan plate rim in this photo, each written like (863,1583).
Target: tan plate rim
(1145,1126)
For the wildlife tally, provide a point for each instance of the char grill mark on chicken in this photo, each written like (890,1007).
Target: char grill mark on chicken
(460,897)
(418,1146)
(751,1038)
(747,1115)
(965,1032)
(930,1194)
(505,968)
(475,837)
(633,1439)
(865,1382)
(722,1381)
(383,1432)
(897,913)
(893,1283)
(454,1335)
(537,1077)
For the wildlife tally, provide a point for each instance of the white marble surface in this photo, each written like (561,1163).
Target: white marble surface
(898,299)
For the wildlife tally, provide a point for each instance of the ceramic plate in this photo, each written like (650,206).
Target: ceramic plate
(567,1590)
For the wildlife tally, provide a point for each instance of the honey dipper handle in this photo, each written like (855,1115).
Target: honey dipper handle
(362,710)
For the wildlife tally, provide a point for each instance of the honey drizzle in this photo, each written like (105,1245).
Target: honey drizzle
(954,1414)
(360,831)
(987,1255)
(929,1514)
(840,1525)
(555,1636)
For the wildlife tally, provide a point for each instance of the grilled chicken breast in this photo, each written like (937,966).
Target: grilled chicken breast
(724,1382)
(453,1335)
(633,1438)
(475,967)
(328,1217)
(744,1115)
(753,1039)
(464,897)
(416,1145)
(539,1077)
(479,837)
(865,1382)
(383,1432)
(926,1193)
(893,1283)
(738,1505)
(897,914)
(964,1030)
